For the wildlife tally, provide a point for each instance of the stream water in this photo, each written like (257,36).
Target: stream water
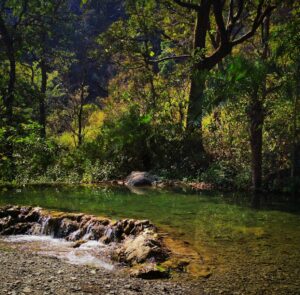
(252,249)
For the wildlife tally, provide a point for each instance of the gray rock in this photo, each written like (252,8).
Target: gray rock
(138,178)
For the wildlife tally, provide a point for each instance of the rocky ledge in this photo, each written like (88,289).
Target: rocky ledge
(133,243)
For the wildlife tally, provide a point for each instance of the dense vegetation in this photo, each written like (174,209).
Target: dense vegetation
(205,90)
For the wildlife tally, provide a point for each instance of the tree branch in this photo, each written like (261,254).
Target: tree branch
(218,8)
(23,11)
(232,19)
(188,5)
(230,14)
(239,12)
(184,56)
(260,16)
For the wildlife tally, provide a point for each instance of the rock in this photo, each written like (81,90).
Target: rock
(31,216)
(27,290)
(67,226)
(17,229)
(150,272)
(77,244)
(145,246)
(129,227)
(132,241)
(13,211)
(76,235)
(138,178)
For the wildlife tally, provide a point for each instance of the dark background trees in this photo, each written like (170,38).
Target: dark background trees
(188,89)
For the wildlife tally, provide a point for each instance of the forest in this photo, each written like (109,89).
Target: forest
(204,91)
(149,147)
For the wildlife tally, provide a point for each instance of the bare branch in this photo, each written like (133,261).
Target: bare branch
(256,23)
(184,56)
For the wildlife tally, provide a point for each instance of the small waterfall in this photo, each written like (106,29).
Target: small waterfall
(75,235)
(109,234)
(44,221)
(88,232)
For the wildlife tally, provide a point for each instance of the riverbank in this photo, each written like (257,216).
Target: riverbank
(166,184)
(246,251)
(23,272)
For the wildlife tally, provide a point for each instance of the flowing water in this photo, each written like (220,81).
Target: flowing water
(251,249)
(91,253)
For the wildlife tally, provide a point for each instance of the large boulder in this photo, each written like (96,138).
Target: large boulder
(138,178)
(145,247)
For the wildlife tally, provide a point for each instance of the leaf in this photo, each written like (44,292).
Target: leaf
(146,119)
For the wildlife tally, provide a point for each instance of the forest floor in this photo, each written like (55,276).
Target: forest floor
(22,273)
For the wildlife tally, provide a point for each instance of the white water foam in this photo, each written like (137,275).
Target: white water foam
(89,253)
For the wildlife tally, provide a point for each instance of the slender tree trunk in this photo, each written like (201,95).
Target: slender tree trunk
(8,102)
(256,141)
(80,125)
(194,114)
(256,114)
(42,117)
(80,113)
(294,154)
(9,97)
(10,52)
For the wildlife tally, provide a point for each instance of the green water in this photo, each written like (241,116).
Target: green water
(257,247)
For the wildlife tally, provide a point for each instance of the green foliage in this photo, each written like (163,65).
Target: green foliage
(139,123)
(32,155)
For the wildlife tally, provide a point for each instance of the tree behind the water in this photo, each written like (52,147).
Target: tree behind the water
(187,89)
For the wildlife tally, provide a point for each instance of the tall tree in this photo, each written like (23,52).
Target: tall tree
(49,44)
(11,17)
(227,24)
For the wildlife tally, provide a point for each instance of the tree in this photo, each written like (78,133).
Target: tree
(48,46)
(10,30)
(287,54)
(227,24)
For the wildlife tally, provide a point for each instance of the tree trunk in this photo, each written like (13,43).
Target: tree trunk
(294,152)
(256,115)
(9,99)
(256,141)
(8,103)
(80,115)
(194,114)
(9,96)
(80,125)
(42,117)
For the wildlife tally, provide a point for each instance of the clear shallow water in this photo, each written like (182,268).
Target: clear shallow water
(229,235)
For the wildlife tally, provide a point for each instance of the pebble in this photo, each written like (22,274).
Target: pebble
(27,290)
(77,279)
